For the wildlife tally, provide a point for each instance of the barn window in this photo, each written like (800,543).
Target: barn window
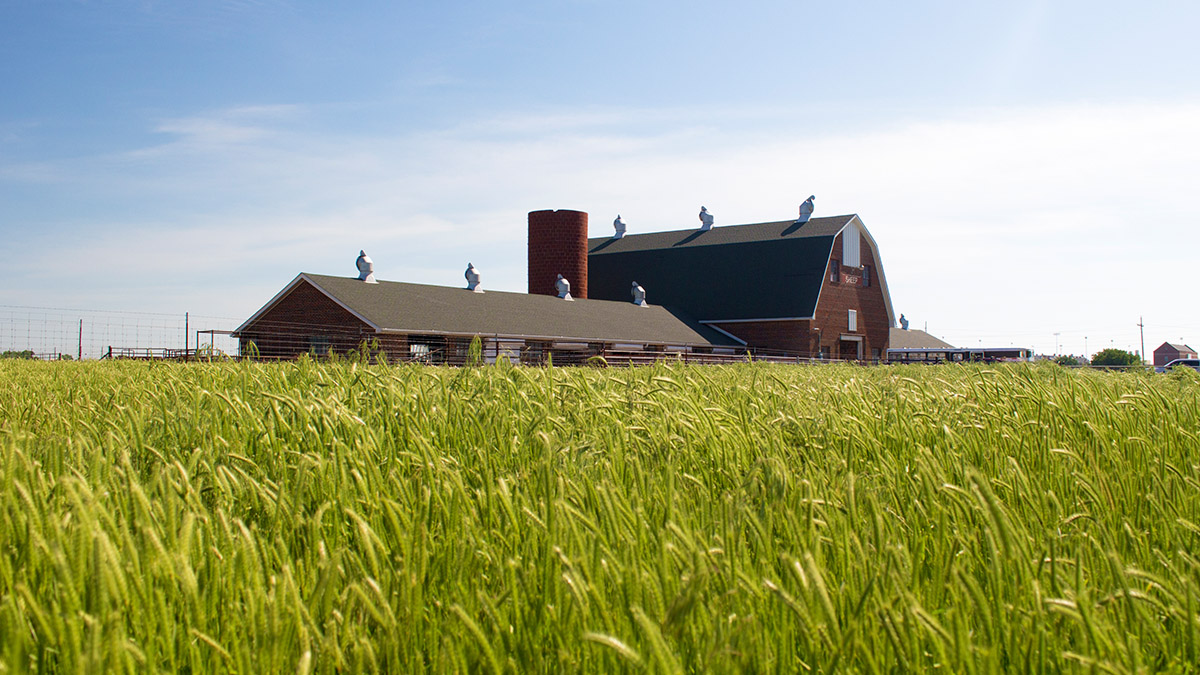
(852,320)
(318,344)
(866,276)
(834,271)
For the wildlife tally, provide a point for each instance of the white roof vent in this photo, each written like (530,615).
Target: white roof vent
(639,295)
(619,226)
(366,268)
(472,276)
(706,219)
(806,210)
(563,287)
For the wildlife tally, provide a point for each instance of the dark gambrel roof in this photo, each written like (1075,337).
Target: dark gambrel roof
(391,306)
(729,234)
(763,270)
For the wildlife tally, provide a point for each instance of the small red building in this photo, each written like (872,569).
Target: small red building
(1168,352)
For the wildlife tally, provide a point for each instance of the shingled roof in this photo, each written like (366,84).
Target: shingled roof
(1176,347)
(740,272)
(392,306)
(901,338)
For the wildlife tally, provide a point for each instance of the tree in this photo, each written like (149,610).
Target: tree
(1066,360)
(1116,357)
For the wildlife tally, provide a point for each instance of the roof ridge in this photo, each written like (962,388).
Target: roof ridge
(823,219)
(317,277)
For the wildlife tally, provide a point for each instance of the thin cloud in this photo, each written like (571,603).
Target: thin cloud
(234,126)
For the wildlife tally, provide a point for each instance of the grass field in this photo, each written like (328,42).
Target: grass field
(308,517)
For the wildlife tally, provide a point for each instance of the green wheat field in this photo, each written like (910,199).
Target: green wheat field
(347,518)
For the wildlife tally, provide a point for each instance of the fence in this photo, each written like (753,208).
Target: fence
(289,340)
(52,333)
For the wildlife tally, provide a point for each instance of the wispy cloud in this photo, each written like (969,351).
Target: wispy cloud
(234,126)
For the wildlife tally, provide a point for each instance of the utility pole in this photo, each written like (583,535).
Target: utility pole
(81,339)
(1142,331)
(1056,343)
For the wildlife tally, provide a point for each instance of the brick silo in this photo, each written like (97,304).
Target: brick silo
(558,245)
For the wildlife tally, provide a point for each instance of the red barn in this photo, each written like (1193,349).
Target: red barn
(815,289)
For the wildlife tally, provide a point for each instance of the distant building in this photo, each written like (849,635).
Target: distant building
(917,346)
(1168,352)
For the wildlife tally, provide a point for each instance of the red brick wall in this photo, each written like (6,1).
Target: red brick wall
(287,328)
(790,336)
(558,245)
(832,315)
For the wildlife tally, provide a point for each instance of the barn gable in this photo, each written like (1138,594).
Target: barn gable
(303,317)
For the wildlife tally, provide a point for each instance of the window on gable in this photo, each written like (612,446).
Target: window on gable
(852,320)
(835,272)
(866,277)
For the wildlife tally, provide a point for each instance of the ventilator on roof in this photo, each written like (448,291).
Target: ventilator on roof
(366,268)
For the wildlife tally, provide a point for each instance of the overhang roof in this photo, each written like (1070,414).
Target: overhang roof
(400,307)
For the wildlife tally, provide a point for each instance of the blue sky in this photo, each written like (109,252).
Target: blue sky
(1026,167)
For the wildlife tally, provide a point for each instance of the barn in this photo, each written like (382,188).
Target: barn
(321,314)
(812,288)
(815,289)
(1168,352)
